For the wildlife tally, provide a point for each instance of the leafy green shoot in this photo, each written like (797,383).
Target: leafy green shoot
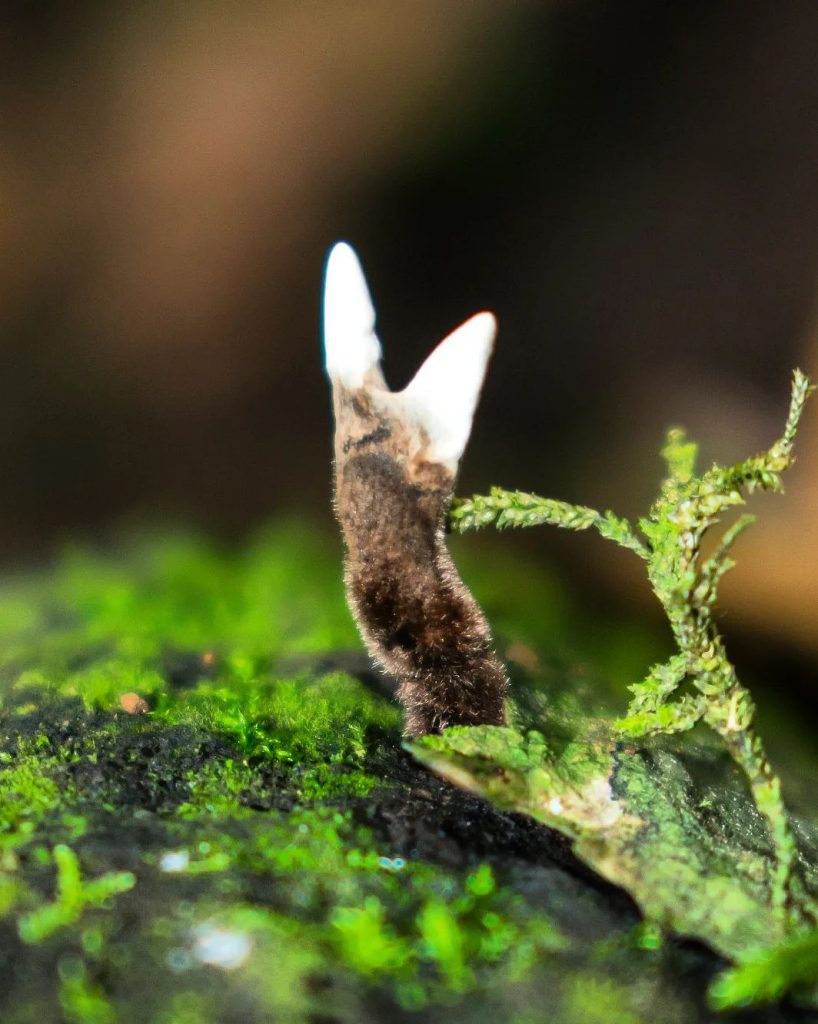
(74,894)
(699,682)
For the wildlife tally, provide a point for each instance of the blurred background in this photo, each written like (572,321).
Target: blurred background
(631,186)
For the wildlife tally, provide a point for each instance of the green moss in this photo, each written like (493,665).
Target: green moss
(73,896)
(365,941)
(698,683)
(291,721)
(677,831)
(769,972)
(81,1001)
(27,793)
(287,859)
(599,1001)
(229,782)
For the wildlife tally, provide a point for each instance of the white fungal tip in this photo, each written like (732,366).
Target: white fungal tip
(443,394)
(351,347)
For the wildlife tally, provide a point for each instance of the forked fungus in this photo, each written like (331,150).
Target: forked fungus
(396,460)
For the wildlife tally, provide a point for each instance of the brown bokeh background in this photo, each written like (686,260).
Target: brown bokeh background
(631,186)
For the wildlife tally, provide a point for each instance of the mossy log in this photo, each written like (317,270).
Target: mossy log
(207,813)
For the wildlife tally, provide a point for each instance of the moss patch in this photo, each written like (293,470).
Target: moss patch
(203,819)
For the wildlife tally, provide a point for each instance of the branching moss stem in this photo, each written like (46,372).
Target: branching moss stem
(686,585)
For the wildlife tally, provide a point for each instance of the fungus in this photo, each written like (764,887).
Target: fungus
(396,461)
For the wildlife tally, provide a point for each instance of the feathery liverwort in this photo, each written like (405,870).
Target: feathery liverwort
(396,460)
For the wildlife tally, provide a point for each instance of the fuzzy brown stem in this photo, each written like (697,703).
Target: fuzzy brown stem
(417,617)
